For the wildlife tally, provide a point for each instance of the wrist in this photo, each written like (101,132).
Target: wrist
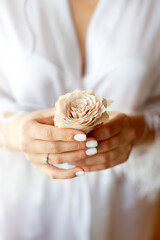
(144,136)
(10,129)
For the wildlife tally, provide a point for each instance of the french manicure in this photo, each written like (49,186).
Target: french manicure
(80,137)
(92,144)
(80,173)
(91,151)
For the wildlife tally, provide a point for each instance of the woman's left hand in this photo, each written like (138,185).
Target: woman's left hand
(115,142)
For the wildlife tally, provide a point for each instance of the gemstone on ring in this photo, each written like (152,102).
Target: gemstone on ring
(46,158)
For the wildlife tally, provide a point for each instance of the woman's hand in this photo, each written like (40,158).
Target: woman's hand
(36,136)
(115,142)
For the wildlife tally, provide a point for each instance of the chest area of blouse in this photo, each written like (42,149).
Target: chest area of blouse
(122,49)
(111,33)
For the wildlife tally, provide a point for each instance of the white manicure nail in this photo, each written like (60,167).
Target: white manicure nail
(91,144)
(80,173)
(80,137)
(91,151)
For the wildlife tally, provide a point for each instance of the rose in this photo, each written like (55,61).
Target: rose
(81,110)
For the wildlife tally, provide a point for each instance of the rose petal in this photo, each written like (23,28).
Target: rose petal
(81,110)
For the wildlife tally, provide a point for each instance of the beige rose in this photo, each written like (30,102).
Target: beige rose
(81,110)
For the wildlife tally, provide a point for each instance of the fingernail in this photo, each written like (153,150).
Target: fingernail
(91,151)
(80,137)
(92,144)
(79,173)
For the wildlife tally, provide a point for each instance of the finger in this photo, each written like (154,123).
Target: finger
(96,168)
(122,138)
(105,158)
(111,128)
(39,146)
(57,173)
(123,158)
(52,133)
(65,157)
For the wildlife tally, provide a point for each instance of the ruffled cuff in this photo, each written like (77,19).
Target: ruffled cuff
(143,166)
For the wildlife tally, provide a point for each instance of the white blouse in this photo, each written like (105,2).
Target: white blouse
(39,61)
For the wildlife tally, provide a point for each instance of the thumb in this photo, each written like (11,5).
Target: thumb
(45,116)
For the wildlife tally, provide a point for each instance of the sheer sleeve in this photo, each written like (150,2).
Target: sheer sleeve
(7,102)
(143,166)
(7,105)
(152,108)
(152,115)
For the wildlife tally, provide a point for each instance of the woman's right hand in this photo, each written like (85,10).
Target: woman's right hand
(36,136)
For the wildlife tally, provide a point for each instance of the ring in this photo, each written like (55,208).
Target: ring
(46,158)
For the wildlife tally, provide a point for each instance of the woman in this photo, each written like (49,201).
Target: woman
(49,48)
